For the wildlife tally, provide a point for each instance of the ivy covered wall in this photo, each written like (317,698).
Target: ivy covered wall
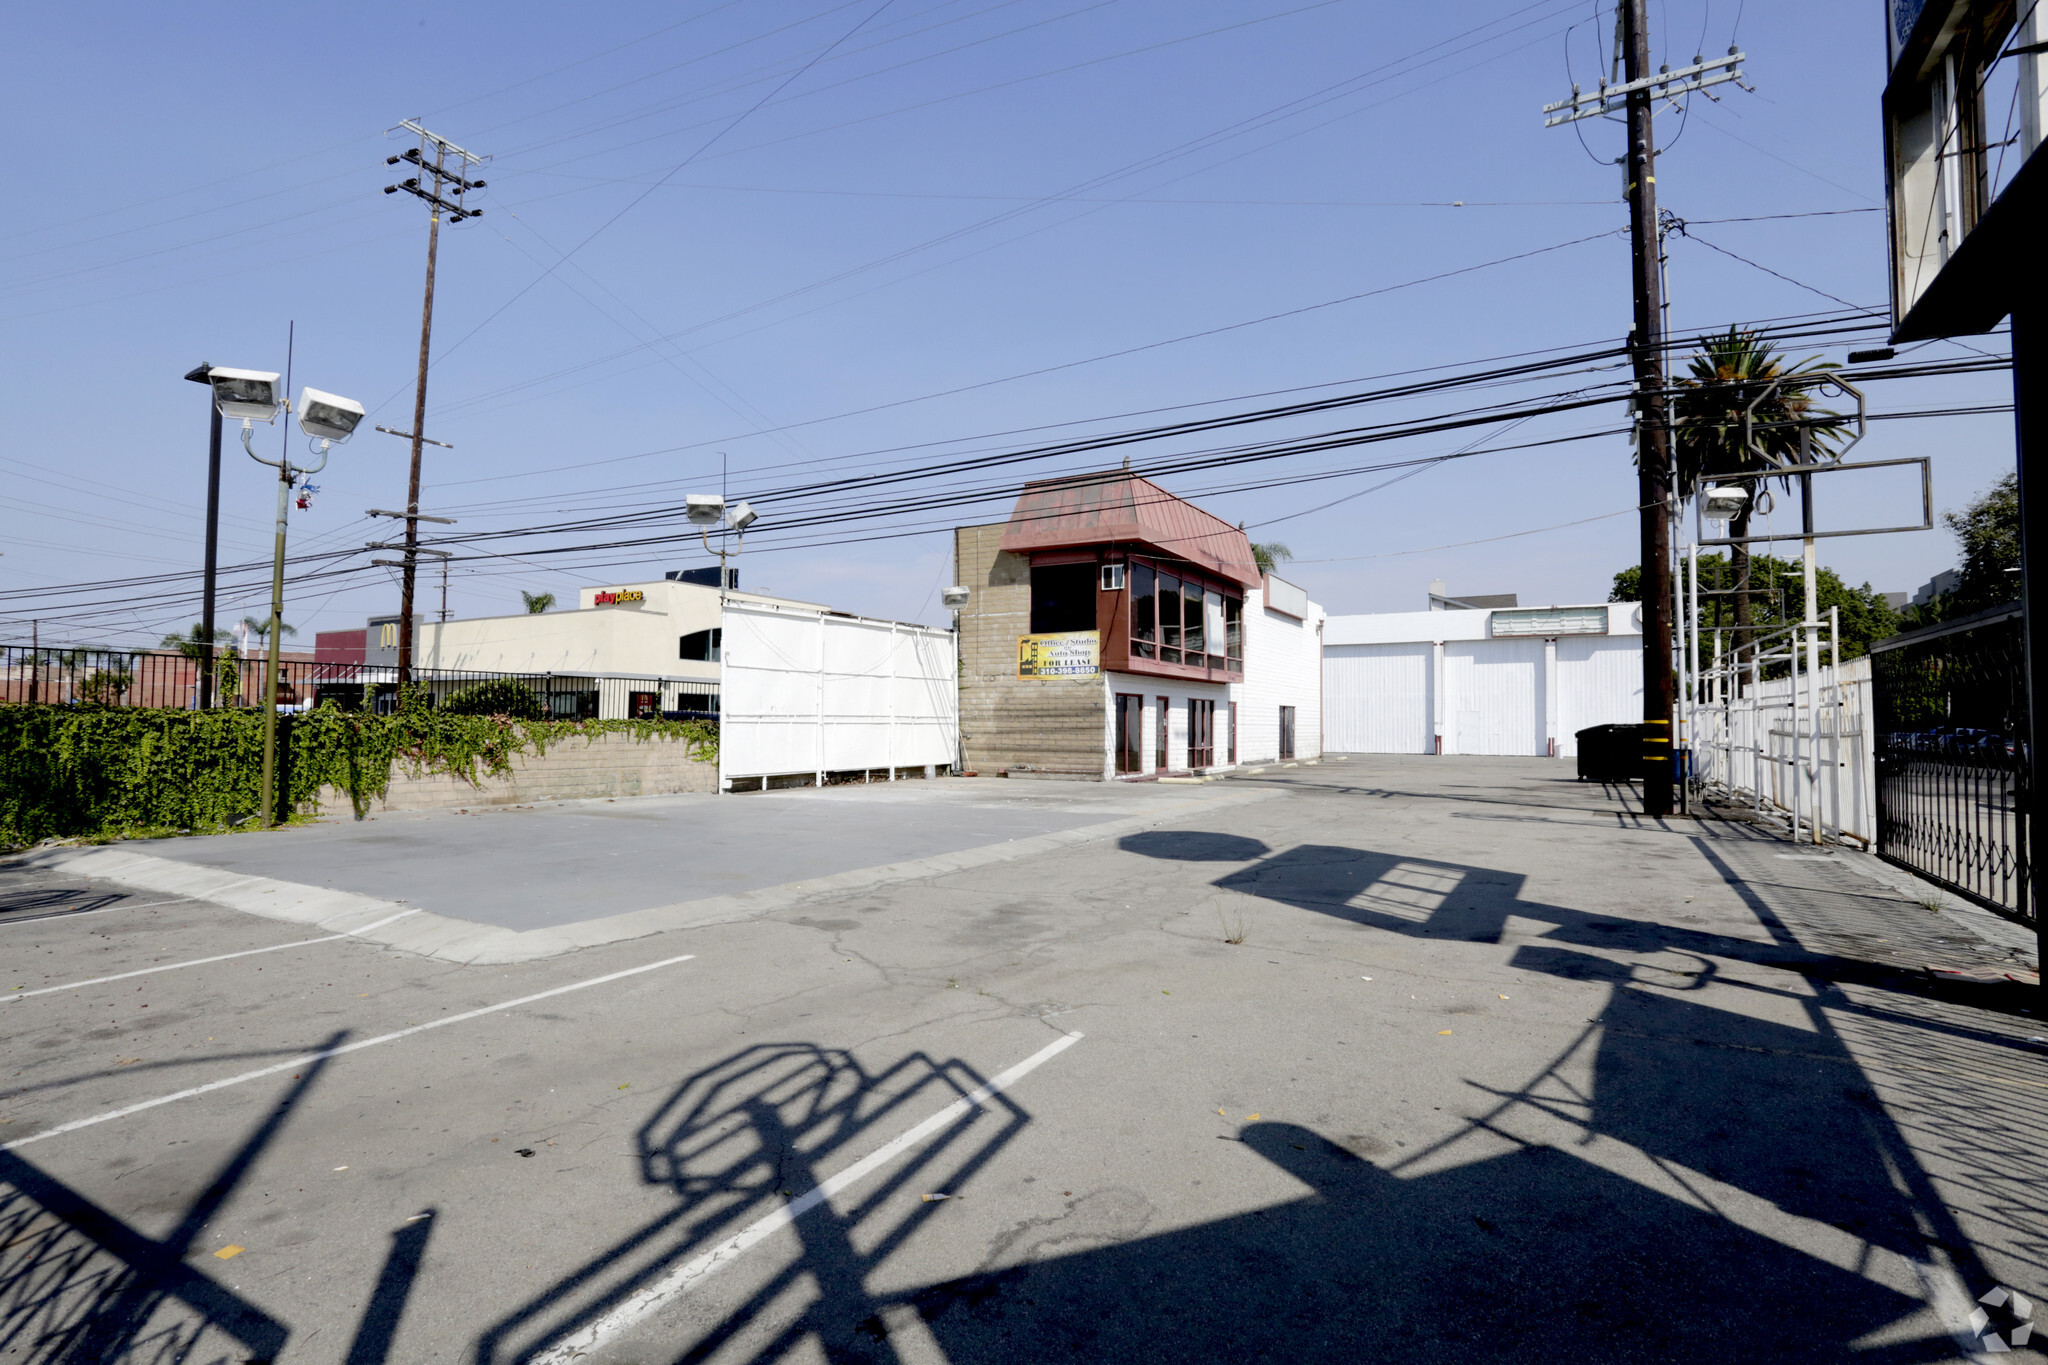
(106,772)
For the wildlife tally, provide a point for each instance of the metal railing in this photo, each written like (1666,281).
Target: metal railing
(1952,747)
(170,680)
(1765,724)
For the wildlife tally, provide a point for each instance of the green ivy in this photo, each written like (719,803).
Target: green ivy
(102,772)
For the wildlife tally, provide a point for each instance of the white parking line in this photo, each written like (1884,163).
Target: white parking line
(200,961)
(336,1051)
(686,1277)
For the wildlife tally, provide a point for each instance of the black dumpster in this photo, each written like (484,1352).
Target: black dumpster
(1611,753)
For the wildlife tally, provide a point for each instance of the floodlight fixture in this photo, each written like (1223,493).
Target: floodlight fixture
(954,597)
(328,416)
(1724,500)
(704,509)
(246,395)
(743,516)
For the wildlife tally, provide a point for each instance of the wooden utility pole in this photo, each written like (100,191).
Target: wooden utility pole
(1653,430)
(444,195)
(1634,96)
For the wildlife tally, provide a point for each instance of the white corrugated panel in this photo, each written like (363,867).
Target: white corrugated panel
(809,692)
(1493,697)
(1376,699)
(1599,682)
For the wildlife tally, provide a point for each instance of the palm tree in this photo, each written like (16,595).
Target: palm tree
(193,645)
(537,602)
(261,629)
(1268,554)
(1729,372)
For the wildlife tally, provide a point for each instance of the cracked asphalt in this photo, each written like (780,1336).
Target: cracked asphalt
(1432,1058)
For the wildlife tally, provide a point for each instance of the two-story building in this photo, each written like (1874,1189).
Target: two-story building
(1113,630)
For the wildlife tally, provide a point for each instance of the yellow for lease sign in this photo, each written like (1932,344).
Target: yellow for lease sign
(1069,654)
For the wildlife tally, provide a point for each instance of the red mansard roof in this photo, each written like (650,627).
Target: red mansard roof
(1091,509)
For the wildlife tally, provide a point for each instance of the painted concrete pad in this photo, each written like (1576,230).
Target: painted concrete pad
(513,883)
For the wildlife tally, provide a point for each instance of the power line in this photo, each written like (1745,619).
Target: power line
(637,200)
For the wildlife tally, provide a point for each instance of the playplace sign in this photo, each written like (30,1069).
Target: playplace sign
(617,599)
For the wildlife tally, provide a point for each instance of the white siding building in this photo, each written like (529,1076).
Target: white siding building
(1491,681)
(1283,645)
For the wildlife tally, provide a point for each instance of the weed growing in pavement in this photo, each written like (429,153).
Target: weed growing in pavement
(1233,925)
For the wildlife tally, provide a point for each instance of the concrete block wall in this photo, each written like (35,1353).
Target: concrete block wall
(1052,724)
(572,769)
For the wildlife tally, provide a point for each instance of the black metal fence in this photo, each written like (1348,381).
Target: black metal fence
(171,680)
(1952,746)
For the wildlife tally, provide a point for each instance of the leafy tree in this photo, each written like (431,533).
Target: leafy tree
(1724,377)
(105,687)
(1268,554)
(227,674)
(537,602)
(1777,599)
(1988,532)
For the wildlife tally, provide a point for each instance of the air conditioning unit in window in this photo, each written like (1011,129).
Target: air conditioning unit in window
(1112,578)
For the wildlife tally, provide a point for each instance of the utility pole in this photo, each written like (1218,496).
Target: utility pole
(1635,97)
(203,374)
(1653,430)
(444,195)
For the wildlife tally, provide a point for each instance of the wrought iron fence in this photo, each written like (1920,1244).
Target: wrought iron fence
(170,680)
(1952,748)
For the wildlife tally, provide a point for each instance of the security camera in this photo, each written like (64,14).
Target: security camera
(704,509)
(328,416)
(743,516)
(1724,500)
(246,395)
(954,597)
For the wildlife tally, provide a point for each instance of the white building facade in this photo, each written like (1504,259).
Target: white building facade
(1505,681)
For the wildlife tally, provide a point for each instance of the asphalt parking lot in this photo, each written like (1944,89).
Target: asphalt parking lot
(1423,1058)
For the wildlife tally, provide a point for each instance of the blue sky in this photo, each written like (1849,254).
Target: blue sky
(777,214)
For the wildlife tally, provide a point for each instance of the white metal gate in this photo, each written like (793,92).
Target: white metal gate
(808,693)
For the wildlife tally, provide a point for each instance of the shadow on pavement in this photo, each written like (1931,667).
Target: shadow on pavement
(1534,1255)
(1711,1186)
(49,902)
(379,1324)
(739,1141)
(1547,1251)
(81,1286)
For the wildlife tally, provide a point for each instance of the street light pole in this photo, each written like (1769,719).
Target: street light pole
(254,395)
(202,374)
(287,473)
